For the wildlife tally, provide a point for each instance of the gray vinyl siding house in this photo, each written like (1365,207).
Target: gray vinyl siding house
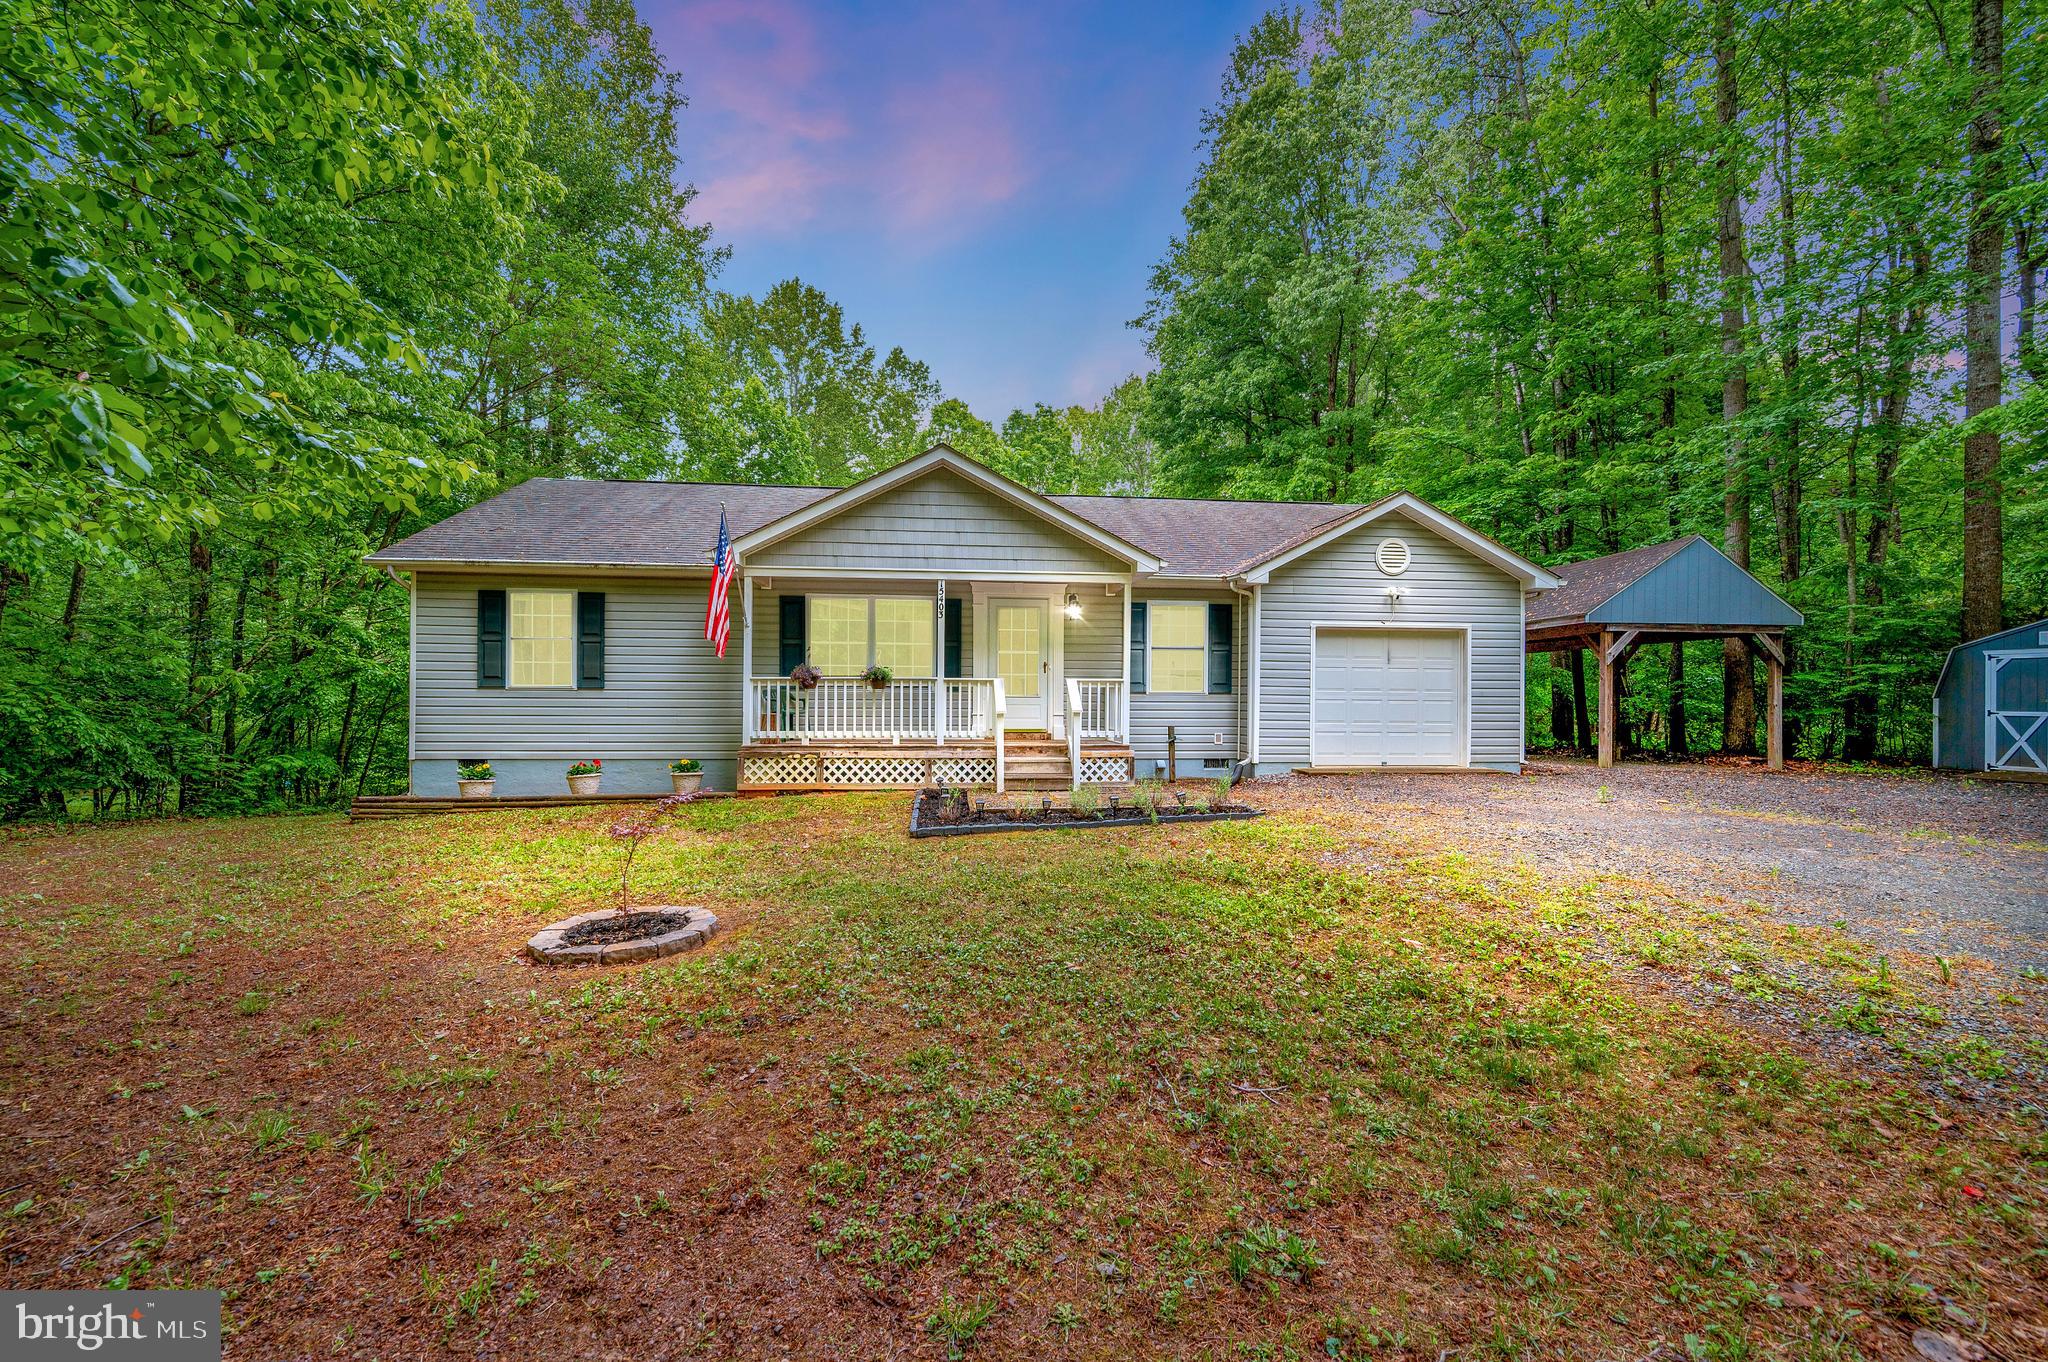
(1069,638)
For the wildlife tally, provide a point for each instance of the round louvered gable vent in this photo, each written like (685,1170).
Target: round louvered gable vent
(1393,556)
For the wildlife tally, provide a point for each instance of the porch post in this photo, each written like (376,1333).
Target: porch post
(939,667)
(746,658)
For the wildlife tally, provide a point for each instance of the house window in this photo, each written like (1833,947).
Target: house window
(849,634)
(903,634)
(543,637)
(839,635)
(1180,646)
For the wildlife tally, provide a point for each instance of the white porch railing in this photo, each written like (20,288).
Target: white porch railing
(842,708)
(1097,707)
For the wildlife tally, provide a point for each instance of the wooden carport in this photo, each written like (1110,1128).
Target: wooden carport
(1662,593)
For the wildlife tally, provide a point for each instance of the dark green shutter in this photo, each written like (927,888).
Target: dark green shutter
(792,634)
(490,640)
(1219,649)
(953,659)
(590,640)
(1137,646)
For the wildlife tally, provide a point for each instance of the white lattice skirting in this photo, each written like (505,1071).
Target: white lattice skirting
(1105,770)
(873,771)
(964,770)
(780,768)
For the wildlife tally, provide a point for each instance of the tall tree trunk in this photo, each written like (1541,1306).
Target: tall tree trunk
(1667,415)
(231,707)
(1660,274)
(1738,708)
(198,649)
(1788,489)
(1561,734)
(1983,382)
(1584,728)
(1786,486)
(73,601)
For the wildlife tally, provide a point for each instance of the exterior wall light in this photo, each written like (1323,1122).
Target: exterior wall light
(1073,606)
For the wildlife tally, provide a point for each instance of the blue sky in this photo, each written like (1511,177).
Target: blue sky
(986,185)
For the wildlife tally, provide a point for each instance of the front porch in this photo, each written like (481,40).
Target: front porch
(995,682)
(844,733)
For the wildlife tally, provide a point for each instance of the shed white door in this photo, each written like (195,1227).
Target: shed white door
(1386,697)
(2016,710)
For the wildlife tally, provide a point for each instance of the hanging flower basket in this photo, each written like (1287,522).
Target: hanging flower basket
(878,677)
(806,676)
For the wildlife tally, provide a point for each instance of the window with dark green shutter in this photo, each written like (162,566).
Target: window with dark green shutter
(954,661)
(590,640)
(490,640)
(1137,645)
(790,652)
(1219,648)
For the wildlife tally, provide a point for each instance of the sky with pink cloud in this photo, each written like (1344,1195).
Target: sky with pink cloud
(986,185)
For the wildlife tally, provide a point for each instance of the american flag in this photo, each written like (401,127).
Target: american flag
(718,614)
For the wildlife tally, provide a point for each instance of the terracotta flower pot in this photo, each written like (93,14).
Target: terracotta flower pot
(584,785)
(476,789)
(687,782)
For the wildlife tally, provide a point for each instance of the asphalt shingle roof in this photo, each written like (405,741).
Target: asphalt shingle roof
(1590,583)
(574,520)
(675,524)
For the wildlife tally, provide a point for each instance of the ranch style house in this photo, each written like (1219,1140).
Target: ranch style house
(1031,641)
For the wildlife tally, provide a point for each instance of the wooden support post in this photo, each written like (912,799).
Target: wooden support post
(1774,720)
(1774,726)
(1605,654)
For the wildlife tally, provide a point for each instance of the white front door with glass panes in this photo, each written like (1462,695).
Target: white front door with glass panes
(1020,639)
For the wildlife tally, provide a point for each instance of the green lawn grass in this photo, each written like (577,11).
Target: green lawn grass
(1206,1091)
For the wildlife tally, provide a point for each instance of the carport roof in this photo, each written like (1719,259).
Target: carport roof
(1682,583)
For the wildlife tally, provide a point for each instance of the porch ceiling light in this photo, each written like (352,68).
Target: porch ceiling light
(1073,606)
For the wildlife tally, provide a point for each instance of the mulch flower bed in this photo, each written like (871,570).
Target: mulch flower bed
(954,813)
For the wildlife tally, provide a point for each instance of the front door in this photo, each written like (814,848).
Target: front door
(1019,637)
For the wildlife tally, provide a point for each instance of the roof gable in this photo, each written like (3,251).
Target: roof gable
(935,460)
(1697,584)
(1414,508)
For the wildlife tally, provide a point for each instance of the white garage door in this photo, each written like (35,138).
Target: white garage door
(1389,698)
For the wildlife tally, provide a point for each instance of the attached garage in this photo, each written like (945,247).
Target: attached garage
(1389,697)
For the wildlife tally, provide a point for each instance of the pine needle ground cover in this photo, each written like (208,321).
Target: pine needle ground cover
(1232,1090)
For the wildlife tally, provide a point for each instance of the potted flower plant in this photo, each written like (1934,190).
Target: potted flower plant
(687,774)
(584,776)
(878,676)
(806,676)
(475,780)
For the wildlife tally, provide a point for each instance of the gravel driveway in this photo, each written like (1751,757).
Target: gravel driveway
(1935,864)
(1904,865)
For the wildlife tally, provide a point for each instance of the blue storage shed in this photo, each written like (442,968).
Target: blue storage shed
(1991,703)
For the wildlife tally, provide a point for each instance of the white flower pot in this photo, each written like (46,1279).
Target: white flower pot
(687,782)
(476,789)
(584,785)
